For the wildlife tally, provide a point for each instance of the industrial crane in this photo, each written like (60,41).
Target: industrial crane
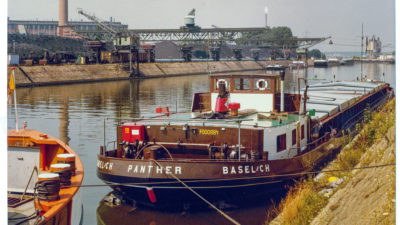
(124,43)
(97,21)
(121,41)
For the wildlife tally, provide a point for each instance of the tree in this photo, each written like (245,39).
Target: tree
(281,32)
(316,53)
(277,34)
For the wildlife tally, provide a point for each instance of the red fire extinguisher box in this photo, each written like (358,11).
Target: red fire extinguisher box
(132,132)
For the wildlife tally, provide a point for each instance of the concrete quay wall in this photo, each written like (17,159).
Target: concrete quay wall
(66,74)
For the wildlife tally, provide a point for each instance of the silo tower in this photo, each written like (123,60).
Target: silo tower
(189,19)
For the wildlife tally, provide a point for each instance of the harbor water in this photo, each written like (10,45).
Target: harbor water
(79,114)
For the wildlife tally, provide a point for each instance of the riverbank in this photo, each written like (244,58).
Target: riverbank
(66,74)
(365,196)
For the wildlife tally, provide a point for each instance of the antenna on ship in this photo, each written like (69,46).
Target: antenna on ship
(208,57)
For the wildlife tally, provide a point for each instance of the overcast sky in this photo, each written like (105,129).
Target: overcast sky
(340,19)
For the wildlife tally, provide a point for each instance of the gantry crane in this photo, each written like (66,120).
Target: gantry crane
(214,37)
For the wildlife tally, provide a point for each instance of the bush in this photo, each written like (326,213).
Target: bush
(301,204)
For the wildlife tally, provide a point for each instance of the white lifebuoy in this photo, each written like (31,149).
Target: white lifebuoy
(222,80)
(258,84)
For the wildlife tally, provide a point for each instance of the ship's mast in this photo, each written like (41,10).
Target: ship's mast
(362,46)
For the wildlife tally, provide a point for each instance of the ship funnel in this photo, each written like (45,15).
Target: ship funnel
(282,74)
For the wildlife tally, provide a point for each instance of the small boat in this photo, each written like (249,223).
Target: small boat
(297,64)
(347,61)
(320,63)
(44,175)
(333,62)
(243,139)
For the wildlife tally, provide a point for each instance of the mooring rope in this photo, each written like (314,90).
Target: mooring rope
(48,190)
(201,197)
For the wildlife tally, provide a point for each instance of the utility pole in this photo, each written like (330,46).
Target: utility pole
(130,62)
(137,63)
(362,46)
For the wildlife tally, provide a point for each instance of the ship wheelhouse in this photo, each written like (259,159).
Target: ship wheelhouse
(261,92)
(252,92)
(285,133)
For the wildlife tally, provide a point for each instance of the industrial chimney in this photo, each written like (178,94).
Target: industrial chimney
(62,13)
(266,15)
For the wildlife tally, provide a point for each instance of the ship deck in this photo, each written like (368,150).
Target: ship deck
(330,98)
(325,98)
(23,208)
(248,120)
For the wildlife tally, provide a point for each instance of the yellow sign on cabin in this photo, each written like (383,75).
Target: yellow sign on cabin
(208,132)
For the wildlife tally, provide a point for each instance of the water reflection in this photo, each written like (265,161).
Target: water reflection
(373,71)
(64,121)
(123,214)
(75,113)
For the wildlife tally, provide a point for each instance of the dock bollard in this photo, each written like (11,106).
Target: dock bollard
(64,171)
(68,159)
(48,186)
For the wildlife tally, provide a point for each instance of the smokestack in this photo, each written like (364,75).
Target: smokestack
(62,12)
(266,15)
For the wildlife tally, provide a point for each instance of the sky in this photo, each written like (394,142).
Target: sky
(340,19)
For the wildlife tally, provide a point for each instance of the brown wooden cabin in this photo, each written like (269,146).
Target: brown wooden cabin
(247,84)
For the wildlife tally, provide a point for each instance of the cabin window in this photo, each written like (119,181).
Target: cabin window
(262,84)
(281,142)
(294,137)
(221,80)
(242,84)
(302,132)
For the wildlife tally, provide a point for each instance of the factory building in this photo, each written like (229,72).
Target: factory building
(62,27)
(50,27)
(374,47)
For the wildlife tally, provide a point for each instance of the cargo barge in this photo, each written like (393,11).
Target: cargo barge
(243,139)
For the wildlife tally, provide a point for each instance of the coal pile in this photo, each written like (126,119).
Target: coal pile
(36,46)
(167,50)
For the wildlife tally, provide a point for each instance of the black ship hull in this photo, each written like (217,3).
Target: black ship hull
(177,196)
